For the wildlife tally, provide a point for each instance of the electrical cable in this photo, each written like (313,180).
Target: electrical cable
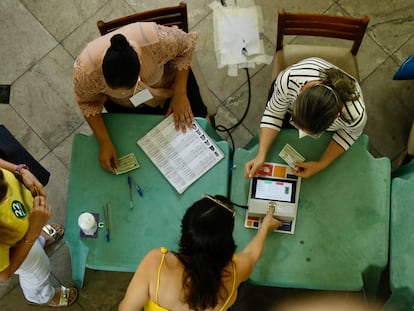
(239,205)
(222,128)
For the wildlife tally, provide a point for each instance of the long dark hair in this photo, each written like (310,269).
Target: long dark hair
(317,107)
(205,248)
(120,65)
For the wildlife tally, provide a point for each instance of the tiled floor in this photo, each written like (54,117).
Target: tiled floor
(40,39)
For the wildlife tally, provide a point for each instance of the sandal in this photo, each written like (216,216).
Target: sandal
(67,296)
(52,233)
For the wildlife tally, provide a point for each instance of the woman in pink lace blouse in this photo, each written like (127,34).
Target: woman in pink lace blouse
(140,58)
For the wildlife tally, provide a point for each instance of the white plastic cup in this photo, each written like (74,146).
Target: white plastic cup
(87,223)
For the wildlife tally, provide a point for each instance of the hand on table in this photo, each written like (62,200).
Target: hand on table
(183,115)
(252,166)
(108,157)
(307,169)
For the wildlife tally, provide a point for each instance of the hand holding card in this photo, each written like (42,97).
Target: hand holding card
(290,155)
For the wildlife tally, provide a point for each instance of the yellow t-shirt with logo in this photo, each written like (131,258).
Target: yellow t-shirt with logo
(15,209)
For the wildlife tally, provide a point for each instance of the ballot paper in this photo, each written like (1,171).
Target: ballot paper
(181,157)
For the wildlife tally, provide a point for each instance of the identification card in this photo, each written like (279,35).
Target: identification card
(126,163)
(141,97)
(290,155)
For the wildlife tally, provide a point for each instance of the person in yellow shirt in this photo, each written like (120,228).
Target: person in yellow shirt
(205,272)
(24,233)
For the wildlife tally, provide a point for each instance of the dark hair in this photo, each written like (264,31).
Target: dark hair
(317,107)
(120,65)
(206,247)
(3,186)
(343,85)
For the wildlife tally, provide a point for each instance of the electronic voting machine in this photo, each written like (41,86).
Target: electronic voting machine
(274,185)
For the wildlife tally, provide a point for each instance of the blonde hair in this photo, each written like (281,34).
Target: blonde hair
(317,107)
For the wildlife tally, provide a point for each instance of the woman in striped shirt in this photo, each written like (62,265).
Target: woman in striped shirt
(314,96)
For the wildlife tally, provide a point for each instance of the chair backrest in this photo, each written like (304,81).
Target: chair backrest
(305,24)
(168,16)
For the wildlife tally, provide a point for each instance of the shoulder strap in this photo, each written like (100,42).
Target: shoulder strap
(233,286)
(164,251)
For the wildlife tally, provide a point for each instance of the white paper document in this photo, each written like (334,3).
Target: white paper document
(181,157)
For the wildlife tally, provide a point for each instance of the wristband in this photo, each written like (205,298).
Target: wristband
(19,168)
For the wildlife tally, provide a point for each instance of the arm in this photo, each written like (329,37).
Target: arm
(307,169)
(272,121)
(267,137)
(180,105)
(88,83)
(37,219)
(247,259)
(28,179)
(8,165)
(137,293)
(176,47)
(107,152)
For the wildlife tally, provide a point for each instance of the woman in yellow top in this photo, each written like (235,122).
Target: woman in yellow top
(23,215)
(205,273)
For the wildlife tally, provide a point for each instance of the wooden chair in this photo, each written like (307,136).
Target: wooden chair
(168,16)
(318,25)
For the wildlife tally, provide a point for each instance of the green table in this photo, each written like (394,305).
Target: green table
(341,236)
(156,218)
(402,240)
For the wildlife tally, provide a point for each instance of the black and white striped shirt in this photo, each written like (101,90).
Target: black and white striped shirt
(348,127)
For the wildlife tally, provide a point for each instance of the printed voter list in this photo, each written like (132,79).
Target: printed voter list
(181,157)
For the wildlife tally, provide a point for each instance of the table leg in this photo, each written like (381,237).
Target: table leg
(78,257)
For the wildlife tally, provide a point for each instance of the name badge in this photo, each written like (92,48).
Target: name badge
(141,97)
